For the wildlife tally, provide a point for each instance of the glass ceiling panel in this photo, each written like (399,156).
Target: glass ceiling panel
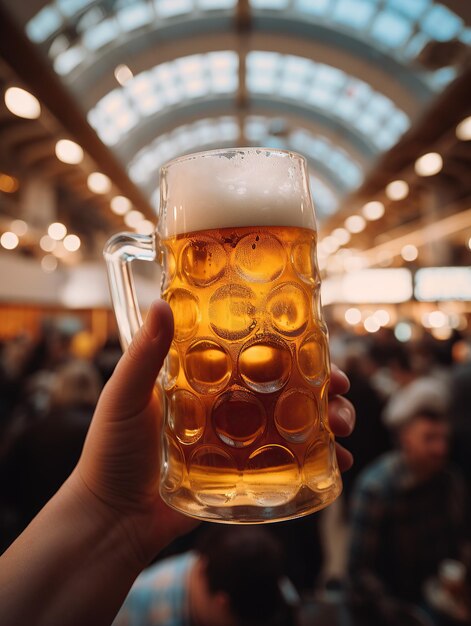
(399,27)
(325,88)
(187,78)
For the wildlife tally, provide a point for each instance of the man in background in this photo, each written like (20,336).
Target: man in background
(407,507)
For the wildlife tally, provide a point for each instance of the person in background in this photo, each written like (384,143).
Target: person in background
(45,451)
(235,577)
(407,508)
(77,560)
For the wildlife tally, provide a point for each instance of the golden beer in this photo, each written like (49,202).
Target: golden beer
(247,375)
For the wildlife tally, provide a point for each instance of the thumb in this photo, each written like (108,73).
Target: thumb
(130,388)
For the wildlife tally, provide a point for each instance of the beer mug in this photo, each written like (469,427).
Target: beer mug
(246,436)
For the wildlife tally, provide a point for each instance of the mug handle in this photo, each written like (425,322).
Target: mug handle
(119,252)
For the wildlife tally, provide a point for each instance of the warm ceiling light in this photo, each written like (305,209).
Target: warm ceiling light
(382,317)
(47,244)
(463,130)
(355,223)
(9,240)
(429,164)
(19,227)
(397,190)
(371,324)
(353,316)
(68,151)
(133,218)
(373,210)
(120,205)
(341,235)
(22,103)
(122,73)
(57,231)
(145,227)
(8,183)
(409,252)
(98,182)
(49,263)
(72,243)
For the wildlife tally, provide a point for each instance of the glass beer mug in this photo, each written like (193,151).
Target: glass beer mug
(246,437)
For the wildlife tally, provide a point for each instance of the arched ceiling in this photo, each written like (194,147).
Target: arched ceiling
(338,80)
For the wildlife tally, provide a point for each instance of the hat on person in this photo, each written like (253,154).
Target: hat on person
(427,395)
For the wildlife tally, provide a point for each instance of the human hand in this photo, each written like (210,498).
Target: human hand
(119,467)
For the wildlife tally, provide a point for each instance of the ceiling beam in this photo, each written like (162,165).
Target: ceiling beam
(26,61)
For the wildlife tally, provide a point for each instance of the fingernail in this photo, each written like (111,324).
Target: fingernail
(346,414)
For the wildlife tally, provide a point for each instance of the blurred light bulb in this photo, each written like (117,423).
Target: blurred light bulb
(22,103)
(120,205)
(355,223)
(49,263)
(98,182)
(403,332)
(397,190)
(47,244)
(371,324)
(373,210)
(133,218)
(68,151)
(9,240)
(122,73)
(429,164)
(341,235)
(8,184)
(72,243)
(409,252)
(437,319)
(353,316)
(382,317)
(57,231)
(19,227)
(145,227)
(463,130)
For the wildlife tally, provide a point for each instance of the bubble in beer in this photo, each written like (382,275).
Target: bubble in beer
(303,260)
(265,364)
(232,312)
(203,261)
(238,418)
(172,367)
(311,358)
(213,475)
(186,416)
(282,475)
(173,466)
(208,366)
(288,307)
(296,415)
(185,309)
(320,471)
(259,257)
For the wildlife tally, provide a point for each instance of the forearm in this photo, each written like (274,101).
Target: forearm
(72,566)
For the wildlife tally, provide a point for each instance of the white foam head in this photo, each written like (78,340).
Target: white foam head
(235,188)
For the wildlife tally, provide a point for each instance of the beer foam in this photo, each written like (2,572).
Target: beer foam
(235,188)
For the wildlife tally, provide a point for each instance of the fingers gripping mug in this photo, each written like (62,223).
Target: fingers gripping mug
(246,437)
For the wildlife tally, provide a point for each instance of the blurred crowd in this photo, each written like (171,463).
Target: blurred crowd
(401,529)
